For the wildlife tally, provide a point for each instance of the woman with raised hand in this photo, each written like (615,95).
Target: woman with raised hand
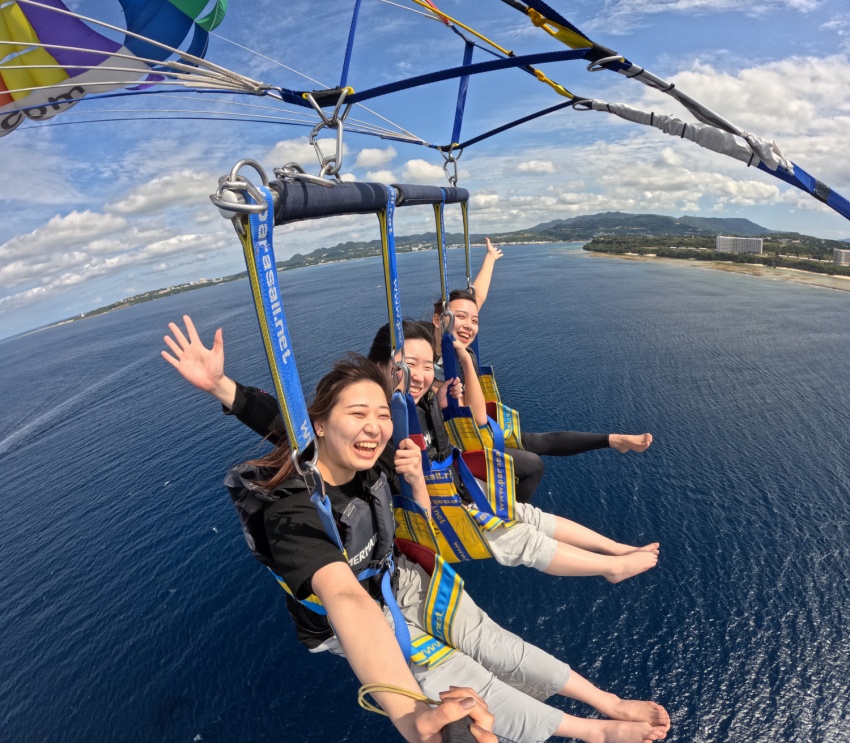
(543,541)
(465,306)
(350,415)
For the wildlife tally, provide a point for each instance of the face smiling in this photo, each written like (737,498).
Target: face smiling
(466,320)
(419,357)
(355,433)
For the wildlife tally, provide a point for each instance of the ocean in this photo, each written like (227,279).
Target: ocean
(132,611)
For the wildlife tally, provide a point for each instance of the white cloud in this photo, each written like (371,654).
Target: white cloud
(297,150)
(374,158)
(536,166)
(623,16)
(185,188)
(381,176)
(421,171)
(62,233)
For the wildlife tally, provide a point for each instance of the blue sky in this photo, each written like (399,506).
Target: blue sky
(94,212)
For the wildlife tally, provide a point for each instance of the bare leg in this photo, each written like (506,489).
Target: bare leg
(610,705)
(570,532)
(624,442)
(574,561)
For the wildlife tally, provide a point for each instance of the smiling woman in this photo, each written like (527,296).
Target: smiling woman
(335,563)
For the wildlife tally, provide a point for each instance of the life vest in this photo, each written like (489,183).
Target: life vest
(358,518)
(357,535)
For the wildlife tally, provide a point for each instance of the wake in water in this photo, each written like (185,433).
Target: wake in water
(63,408)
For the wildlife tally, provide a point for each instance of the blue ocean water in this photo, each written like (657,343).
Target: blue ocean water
(131,610)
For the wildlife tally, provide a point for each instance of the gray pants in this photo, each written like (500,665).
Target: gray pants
(528,543)
(511,675)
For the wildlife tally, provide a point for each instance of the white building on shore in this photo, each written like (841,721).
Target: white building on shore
(841,257)
(739,244)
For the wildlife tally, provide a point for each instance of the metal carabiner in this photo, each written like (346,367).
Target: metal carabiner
(329,165)
(229,194)
(447,320)
(294,172)
(451,160)
(308,470)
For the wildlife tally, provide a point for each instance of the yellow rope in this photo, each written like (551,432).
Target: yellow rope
(539,74)
(475,33)
(372,688)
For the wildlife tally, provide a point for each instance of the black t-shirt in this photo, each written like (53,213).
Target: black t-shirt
(300,547)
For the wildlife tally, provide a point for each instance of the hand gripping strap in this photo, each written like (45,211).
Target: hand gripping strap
(262,271)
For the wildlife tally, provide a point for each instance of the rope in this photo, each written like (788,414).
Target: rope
(389,689)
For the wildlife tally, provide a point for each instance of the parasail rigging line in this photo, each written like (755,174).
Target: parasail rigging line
(313,80)
(193,59)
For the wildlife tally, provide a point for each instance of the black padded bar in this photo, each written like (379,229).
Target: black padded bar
(412,195)
(300,200)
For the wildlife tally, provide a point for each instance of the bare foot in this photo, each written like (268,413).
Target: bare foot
(626,566)
(618,731)
(636,710)
(624,442)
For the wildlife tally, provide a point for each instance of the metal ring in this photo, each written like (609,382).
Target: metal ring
(235,184)
(599,64)
(583,104)
(400,366)
(308,469)
(293,171)
(447,321)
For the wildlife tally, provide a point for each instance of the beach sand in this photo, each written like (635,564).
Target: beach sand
(840,283)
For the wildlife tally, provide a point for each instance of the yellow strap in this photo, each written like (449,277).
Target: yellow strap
(557,31)
(565,35)
(372,688)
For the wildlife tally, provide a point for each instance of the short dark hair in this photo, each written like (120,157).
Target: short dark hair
(413,330)
(453,295)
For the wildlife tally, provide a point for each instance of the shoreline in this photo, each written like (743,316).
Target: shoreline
(822,281)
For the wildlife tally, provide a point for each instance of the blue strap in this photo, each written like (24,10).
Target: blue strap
(402,634)
(391,269)
(461,91)
(323,506)
(498,435)
(344,79)
(398,410)
(450,366)
(471,484)
(268,302)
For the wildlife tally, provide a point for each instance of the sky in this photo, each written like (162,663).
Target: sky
(94,210)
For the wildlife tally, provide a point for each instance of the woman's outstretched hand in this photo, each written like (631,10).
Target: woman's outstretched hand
(200,366)
(197,364)
(492,252)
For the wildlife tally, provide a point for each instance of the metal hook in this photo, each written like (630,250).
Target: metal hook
(599,64)
(229,196)
(447,320)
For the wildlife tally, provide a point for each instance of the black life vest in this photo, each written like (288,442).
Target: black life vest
(356,523)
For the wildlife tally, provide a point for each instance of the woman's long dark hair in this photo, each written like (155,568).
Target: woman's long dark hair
(350,370)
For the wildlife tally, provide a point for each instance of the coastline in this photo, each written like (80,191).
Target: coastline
(838,283)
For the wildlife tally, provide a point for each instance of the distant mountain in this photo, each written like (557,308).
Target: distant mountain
(620,223)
